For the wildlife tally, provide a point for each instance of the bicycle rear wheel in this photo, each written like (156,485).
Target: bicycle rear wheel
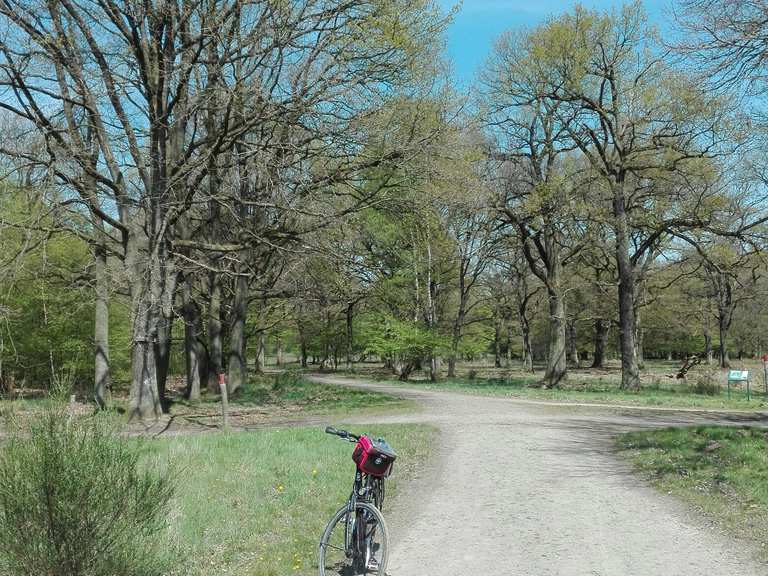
(354,544)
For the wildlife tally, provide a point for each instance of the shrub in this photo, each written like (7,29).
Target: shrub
(287,380)
(707,383)
(403,343)
(76,499)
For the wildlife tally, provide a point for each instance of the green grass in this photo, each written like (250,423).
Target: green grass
(722,471)
(280,395)
(293,392)
(256,503)
(660,393)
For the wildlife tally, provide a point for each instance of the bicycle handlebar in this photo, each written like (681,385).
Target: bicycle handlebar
(342,434)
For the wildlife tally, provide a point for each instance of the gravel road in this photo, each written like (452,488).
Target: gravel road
(521,488)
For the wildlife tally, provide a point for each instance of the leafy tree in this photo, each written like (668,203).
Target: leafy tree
(403,344)
(638,123)
(537,198)
(45,292)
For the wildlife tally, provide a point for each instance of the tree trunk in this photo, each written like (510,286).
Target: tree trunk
(101,328)
(557,369)
(193,349)
(601,337)
(639,335)
(237,370)
(455,339)
(163,356)
(327,342)
(302,340)
(724,312)
(261,352)
(434,369)
(215,346)
(507,341)
(496,341)
(630,374)
(707,346)
(458,324)
(350,341)
(144,399)
(725,360)
(147,294)
(279,350)
(573,350)
(404,370)
(525,330)
(452,365)
(261,337)
(640,354)
(163,340)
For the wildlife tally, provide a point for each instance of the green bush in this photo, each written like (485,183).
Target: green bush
(707,383)
(403,342)
(77,499)
(287,380)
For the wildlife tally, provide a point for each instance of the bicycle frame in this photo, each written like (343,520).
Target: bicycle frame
(362,513)
(368,489)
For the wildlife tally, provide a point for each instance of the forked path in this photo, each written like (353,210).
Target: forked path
(532,489)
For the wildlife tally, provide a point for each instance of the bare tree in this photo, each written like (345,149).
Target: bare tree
(142,103)
(726,39)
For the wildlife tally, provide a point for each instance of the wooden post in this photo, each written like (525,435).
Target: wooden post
(765,373)
(765,376)
(224,400)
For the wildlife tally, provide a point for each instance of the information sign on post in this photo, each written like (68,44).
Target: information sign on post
(738,376)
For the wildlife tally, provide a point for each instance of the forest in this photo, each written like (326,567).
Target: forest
(214,187)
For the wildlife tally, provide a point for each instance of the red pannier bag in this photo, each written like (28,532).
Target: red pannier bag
(374,458)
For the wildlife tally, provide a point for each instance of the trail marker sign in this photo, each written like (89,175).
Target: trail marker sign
(738,376)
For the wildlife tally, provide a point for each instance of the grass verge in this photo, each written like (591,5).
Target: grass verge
(722,471)
(292,392)
(256,503)
(596,391)
(283,396)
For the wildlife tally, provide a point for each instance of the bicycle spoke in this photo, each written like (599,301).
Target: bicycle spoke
(355,541)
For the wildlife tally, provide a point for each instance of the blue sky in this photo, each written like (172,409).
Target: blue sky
(479,22)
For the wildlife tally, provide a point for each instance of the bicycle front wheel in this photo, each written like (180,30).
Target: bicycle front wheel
(354,543)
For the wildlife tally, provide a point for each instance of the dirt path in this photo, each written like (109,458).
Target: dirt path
(531,489)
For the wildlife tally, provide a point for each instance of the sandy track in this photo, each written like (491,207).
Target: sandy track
(533,489)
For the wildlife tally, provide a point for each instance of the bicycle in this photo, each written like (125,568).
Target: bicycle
(355,541)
